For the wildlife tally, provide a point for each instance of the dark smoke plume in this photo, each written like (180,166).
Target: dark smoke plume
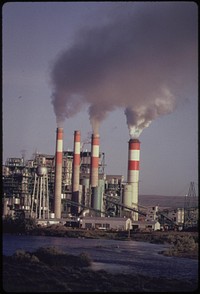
(142,60)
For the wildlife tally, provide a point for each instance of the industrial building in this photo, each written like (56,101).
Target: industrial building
(73,184)
(107,223)
(152,225)
(64,179)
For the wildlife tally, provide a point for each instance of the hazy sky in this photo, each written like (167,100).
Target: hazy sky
(78,63)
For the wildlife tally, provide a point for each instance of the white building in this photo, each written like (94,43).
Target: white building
(106,223)
(152,213)
(152,225)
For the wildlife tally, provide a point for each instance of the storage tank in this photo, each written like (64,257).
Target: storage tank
(97,196)
(41,170)
(127,195)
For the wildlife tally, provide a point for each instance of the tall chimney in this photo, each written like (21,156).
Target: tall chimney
(133,169)
(76,171)
(94,164)
(58,173)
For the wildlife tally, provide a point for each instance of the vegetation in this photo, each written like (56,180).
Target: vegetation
(51,256)
(50,270)
(182,244)
(19,224)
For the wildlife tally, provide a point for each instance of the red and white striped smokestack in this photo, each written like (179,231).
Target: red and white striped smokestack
(76,162)
(133,167)
(94,164)
(58,173)
(76,172)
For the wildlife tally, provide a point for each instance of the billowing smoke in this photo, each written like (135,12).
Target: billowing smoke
(141,116)
(142,60)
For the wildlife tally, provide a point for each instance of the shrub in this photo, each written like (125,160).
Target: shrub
(49,255)
(84,259)
(18,225)
(29,224)
(185,244)
(53,256)
(181,244)
(21,256)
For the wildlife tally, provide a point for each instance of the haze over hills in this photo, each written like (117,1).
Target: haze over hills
(162,201)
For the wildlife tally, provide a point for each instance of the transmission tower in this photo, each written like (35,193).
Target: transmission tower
(191,207)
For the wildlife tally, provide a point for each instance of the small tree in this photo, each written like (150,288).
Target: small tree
(18,225)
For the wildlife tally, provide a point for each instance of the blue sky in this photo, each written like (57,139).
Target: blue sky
(34,35)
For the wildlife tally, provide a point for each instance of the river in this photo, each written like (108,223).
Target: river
(112,255)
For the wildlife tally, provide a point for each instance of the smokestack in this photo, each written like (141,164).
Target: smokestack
(58,173)
(76,171)
(94,164)
(133,170)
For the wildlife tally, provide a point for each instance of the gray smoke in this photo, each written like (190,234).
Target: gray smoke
(142,60)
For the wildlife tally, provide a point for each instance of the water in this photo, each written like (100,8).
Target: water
(112,255)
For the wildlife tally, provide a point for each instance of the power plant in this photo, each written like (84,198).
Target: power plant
(72,187)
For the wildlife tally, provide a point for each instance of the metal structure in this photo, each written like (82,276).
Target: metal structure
(117,202)
(72,203)
(40,196)
(167,221)
(19,178)
(191,208)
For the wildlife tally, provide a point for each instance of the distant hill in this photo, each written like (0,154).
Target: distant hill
(161,201)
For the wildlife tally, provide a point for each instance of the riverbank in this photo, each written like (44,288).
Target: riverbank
(159,237)
(181,244)
(48,270)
